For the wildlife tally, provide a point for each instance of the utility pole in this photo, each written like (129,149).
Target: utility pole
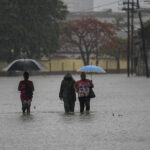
(97,54)
(127,8)
(132,35)
(143,40)
(130,45)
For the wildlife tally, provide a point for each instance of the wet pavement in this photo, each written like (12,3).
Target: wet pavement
(119,118)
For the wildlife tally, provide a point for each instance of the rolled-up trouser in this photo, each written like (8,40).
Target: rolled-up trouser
(26,104)
(84,102)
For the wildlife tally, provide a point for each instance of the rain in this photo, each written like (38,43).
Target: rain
(54,54)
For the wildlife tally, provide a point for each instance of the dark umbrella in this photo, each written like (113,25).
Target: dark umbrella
(24,65)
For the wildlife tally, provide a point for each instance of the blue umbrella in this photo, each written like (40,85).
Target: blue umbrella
(92,69)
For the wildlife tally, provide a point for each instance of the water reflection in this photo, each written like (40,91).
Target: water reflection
(87,117)
(27,117)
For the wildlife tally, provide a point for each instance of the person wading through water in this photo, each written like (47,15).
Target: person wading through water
(82,87)
(67,93)
(26,87)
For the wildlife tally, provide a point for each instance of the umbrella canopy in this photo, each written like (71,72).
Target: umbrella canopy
(92,69)
(24,65)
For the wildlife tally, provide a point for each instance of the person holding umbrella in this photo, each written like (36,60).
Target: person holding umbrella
(82,87)
(26,88)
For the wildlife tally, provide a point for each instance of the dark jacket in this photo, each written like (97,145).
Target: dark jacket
(67,91)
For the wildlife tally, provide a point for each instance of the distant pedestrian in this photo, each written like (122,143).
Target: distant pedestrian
(26,87)
(82,87)
(67,93)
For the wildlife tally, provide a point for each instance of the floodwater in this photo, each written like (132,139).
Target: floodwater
(119,118)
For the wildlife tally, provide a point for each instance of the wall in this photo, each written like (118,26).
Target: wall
(57,65)
(2,65)
(75,64)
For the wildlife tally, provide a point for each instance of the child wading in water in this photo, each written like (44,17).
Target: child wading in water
(26,87)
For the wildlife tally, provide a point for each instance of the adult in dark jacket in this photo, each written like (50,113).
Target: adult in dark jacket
(67,93)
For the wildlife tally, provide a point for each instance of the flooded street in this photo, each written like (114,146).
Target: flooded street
(119,118)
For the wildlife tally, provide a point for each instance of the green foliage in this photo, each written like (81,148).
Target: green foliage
(147,30)
(116,49)
(119,21)
(29,27)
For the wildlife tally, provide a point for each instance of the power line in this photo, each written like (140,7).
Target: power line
(106,4)
(131,7)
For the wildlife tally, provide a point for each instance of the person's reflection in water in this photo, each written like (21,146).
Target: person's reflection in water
(26,87)
(67,93)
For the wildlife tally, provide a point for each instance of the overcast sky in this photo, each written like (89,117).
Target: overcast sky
(113,4)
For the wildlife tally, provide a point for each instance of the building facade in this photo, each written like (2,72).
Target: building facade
(79,5)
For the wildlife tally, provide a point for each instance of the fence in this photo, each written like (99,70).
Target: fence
(75,64)
(60,65)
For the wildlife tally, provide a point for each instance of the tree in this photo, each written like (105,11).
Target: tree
(147,31)
(116,49)
(7,21)
(30,26)
(86,36)
(142,63)
(119,21)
